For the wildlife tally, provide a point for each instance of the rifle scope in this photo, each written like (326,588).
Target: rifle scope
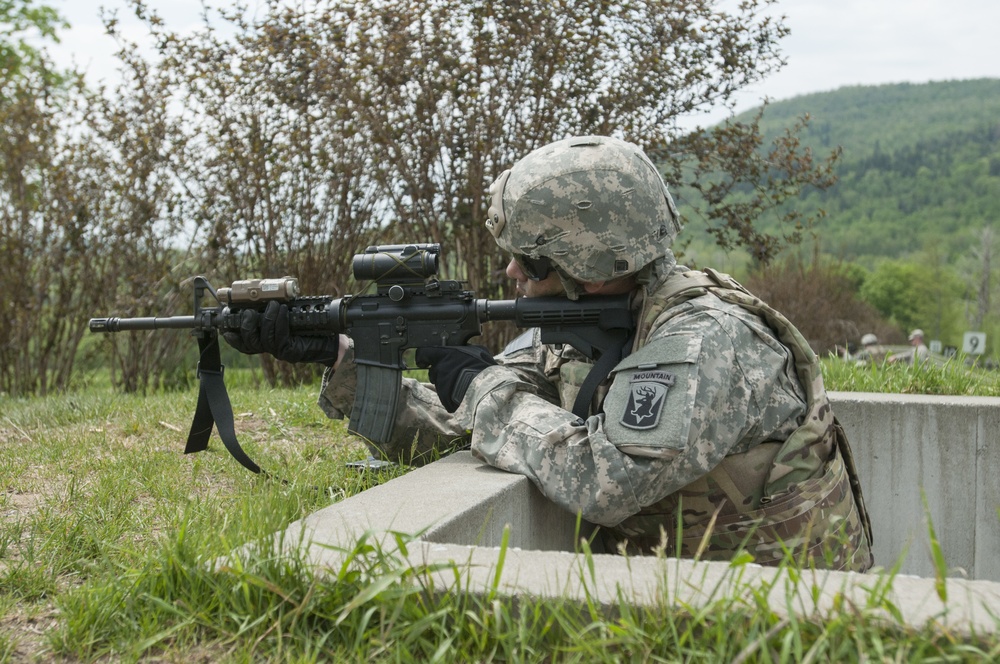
(399,263)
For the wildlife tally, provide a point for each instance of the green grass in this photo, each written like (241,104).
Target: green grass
(108,533)
(951,377)
(94,485)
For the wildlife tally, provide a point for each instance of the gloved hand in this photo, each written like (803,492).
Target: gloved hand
(270,332)
(452,368)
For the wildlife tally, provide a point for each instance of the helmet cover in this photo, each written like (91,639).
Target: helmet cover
(594,205)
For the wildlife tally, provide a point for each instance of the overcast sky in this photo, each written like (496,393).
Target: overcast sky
(833,42)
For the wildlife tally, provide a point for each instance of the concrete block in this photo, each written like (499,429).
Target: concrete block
(942,449)
(457,513)
(907,448)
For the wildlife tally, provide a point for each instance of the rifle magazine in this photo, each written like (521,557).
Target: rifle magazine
(375,403)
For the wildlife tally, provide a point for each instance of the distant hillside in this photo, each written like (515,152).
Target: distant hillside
(920,165)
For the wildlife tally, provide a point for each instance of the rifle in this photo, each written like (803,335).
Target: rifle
(411,308)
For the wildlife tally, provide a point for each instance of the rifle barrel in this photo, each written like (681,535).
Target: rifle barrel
(115,324)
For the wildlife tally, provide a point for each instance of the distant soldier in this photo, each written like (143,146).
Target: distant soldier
(872,352)
(916,355)
(920,352)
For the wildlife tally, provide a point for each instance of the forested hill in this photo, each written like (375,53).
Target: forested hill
(920,165)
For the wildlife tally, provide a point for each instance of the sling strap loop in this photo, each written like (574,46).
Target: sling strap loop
(214,407)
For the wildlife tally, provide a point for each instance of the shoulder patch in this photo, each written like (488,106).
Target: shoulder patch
(647,394)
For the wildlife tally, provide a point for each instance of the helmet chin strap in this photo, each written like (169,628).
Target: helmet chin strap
(659,270)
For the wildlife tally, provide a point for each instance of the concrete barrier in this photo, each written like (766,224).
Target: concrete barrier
(942,447)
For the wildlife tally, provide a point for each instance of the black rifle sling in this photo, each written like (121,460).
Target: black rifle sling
(214,406)
(597,375)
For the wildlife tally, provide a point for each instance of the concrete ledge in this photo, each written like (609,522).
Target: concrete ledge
(459,508)
(456,500)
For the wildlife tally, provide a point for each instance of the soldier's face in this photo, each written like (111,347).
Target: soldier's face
(550,285)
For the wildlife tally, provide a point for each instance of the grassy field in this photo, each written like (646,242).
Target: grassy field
(107,529)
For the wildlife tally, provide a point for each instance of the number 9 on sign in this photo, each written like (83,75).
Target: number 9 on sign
(974,343)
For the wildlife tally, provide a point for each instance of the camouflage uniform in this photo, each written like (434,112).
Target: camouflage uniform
(712,435)
(873,354)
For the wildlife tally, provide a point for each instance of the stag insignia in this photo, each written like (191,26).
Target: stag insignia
(648,393)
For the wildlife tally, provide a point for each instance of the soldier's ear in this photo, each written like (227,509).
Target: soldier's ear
(593,286)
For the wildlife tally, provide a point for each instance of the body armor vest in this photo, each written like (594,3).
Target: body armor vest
(800,495)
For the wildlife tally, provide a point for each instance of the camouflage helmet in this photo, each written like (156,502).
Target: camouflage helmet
(593,205)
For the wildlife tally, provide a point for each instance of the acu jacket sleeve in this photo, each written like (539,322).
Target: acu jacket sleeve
(675,409)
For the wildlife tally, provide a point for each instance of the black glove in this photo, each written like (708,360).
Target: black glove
(269,332)
(452,368)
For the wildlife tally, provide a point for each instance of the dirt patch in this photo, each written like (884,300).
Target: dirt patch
(27,633)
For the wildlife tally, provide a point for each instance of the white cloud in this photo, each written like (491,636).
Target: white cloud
(833,42)
(869,42)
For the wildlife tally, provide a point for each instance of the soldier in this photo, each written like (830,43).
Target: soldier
(918,353)
(872,352)
(714,434)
